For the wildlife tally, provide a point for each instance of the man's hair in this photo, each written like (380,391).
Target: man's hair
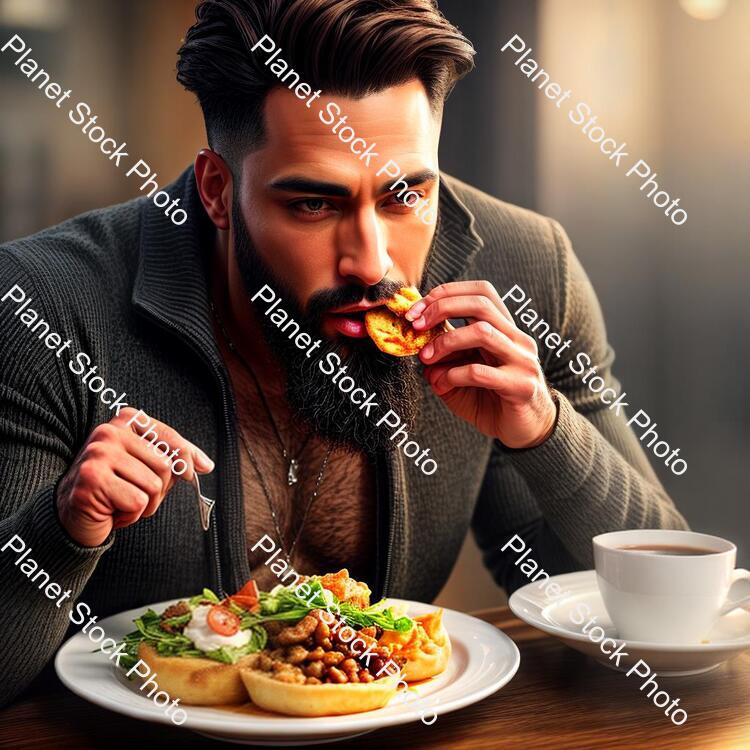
(349,47)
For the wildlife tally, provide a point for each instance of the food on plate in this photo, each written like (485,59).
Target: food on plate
(346,588)
(194,646)
(317,700)
(319,667)
(195,681)
(391,332)
(426,648)
(316,648)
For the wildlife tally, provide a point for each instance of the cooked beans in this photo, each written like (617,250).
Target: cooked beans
(322,633)
(291,677)
(315,669)
(336,675)
(311,653)
(297,633)
(296,654)
(332,658)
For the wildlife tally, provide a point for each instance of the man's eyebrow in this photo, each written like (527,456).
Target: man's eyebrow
(426,175)
(298,184)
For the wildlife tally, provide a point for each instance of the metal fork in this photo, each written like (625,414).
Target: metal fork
(205,505)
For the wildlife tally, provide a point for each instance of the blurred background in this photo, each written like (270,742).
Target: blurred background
(670,77)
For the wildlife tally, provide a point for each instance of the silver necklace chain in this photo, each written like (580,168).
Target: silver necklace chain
(292,474)
(267,493)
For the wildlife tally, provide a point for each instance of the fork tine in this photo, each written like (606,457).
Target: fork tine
(205,505)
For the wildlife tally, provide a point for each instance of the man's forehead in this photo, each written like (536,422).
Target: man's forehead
(399,120)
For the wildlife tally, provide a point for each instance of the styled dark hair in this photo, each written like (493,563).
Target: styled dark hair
(348,47)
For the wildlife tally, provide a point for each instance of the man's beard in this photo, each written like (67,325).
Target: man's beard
(312,394)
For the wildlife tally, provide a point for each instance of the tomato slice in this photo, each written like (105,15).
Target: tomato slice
(222,621)
(249,589)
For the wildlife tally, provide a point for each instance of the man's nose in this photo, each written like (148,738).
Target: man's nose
(363,257)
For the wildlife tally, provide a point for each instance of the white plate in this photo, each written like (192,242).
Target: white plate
(559,617)
(484,659)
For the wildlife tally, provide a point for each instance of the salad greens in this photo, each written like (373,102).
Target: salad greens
(176,644)
(281,604)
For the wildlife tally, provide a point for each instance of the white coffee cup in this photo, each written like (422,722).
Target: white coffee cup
(663,597)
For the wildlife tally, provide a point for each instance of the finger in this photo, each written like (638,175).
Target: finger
(440,387)
(482,336)
(475,307)
(202,463)
(475,375)
(479,287)
(140,423)
(124,416)
(433,373)
(137,473)
(155,460)
(124,497)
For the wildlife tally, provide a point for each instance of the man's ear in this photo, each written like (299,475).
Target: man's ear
(214,180)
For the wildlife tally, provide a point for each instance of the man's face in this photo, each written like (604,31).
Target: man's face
(322,229)
(319,217)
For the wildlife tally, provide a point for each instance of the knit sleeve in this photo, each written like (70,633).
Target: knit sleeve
(591,475)
(38,441)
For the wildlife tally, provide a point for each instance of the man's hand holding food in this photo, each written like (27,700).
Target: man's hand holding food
(488,371)
(117,478)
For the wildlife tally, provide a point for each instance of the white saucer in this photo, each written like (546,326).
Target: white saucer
(730,636)
(483,660)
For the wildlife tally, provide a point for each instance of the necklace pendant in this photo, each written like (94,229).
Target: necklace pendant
(291,475)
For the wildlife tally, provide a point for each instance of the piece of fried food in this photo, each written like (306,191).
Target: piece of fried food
(391,332)
(347,589)
(195,681)
(426,647)
(403,299)
(317,700)
(394,335)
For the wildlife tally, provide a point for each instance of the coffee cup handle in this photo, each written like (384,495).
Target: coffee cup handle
(739,592)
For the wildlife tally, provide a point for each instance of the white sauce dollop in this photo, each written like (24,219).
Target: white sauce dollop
(206,639)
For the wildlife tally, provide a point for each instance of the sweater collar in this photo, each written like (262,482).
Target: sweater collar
(456,239)
(171,282)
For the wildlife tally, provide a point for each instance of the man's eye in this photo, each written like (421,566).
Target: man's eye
(399,202)
(310,206)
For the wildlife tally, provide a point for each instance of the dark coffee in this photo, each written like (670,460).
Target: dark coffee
(668,549)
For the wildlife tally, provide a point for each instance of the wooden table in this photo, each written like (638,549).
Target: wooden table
(558,699)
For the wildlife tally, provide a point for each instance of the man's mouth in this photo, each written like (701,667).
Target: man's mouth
(350,319)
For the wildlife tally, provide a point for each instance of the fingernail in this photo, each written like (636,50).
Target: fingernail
(202,461)
(418,323)
(428,351)
(415,310)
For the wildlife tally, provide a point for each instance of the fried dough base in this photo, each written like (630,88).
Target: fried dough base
(195,681)
(428,632)
(317,700)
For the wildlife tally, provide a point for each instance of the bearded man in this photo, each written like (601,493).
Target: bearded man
(162,310)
